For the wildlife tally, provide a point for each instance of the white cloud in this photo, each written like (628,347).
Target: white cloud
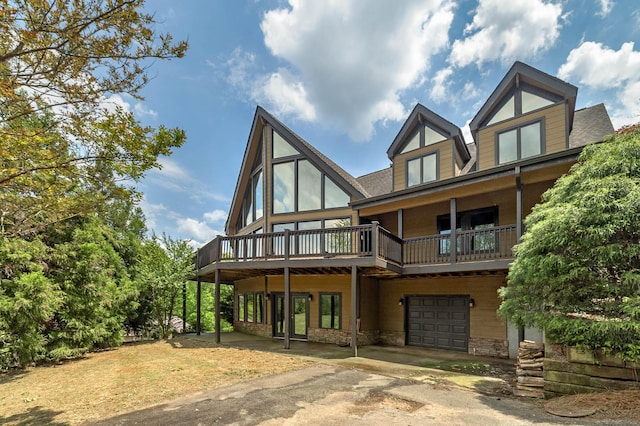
(600,67)
(215,216)
(349,62)
(141,110)
(440,85)
(507,31)
(196,229)
(605,7)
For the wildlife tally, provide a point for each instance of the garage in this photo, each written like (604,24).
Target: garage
(440,322)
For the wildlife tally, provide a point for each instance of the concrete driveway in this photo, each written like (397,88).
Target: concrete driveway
(341,390)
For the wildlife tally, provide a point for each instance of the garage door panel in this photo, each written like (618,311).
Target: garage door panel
(438,322)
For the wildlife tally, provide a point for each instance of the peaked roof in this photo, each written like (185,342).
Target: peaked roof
(377,183)
(590,124)
(523,72)
(335,172)
(421,114)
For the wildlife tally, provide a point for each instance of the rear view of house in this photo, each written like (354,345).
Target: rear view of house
(410,255)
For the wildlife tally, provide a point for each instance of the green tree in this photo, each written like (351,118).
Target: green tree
(165,266)
(576,273)
(63,154)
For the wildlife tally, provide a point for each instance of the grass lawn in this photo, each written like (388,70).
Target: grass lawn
(131,377)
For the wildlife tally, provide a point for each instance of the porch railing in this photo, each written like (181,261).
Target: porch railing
(361,241)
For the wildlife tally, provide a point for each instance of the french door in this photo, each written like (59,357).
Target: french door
(299,315)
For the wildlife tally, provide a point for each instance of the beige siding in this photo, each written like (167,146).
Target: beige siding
(484,323)
(555,133)
(446,162)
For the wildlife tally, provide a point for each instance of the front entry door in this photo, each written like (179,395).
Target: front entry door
(299,315)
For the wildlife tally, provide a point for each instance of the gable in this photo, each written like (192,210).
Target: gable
(282,174)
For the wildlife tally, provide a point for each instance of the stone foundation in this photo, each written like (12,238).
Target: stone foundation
(489,347)
(263,330)
(392,338)
(341,337)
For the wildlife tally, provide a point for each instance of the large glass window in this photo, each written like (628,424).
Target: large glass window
(282,148)
(250,307)
(531,102)
(518,143)
(333,195)
(309,187)
(283,187)
(414,143)
(471,220)
(424,136)
(241,310)
(330,310)
(522,100)
(257,190)
(422,169)
(508,110)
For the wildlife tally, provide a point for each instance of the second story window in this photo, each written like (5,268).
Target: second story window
(422,169)
(519,142)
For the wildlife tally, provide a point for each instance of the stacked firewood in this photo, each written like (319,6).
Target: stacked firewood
(530,379)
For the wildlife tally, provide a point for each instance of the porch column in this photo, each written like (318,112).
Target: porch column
(354,310)
(453,214)
(217,305)
(400,224)
(287,308)
(518,205)
(184,306)
(198,291)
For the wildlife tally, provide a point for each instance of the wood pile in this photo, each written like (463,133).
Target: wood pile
(529,374)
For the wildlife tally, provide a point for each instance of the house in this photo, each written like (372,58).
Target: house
(410,255)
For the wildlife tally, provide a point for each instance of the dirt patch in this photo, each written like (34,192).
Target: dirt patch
(131,377)
(609,405)
(377,401)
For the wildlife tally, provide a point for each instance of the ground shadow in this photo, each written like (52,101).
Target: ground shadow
(33,416)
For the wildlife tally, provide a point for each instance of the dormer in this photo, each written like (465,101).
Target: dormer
(530,113)
(427,149)
(286,183)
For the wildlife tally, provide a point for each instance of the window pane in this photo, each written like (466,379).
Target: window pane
(414,143)
(278,241)
(241,307)
(508,146)
(248,208)
(283,184)
(333,195)
(258,191)
(530,140)
(309,186)
(429,168)
(309,243)
(507,111)
(431,136)
(531,102)
(413,172)
(281,148)
(250,307)
(330,311)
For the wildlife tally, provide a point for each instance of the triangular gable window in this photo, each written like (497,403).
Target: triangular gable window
(282,148)
(506,112)
(425,136)
(532,102)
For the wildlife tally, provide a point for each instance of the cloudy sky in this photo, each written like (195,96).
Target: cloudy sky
(345,74)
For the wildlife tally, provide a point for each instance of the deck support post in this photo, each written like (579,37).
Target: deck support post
(184,307)
(354,310)
(287,307)
(453,214)
(518,205)
(217,305)
(198,292)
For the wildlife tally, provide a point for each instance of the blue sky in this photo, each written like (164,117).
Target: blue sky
(345,74)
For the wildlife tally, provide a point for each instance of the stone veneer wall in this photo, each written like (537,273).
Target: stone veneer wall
(263,330)
(393,338)
(341,337)
(489,347)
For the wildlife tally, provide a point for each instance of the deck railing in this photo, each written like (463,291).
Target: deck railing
(360,241)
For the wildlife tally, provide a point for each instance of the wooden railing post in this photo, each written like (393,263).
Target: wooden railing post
(454,233)
(287,245)
(374,239)
(218,245)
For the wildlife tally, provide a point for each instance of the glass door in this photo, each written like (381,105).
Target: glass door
(299,320)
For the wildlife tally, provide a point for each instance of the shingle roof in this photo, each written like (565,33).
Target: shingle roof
(377,183)
(590,124)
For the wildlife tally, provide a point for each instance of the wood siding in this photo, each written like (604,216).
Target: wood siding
(484,322)
(555,133)
(445,149)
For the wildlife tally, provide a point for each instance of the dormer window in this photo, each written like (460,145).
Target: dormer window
(424,136)
(520,142)
(422,169)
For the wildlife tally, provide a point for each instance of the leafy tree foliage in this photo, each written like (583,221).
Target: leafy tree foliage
(165,266)
(63,152)
(207,306)
(577,269)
